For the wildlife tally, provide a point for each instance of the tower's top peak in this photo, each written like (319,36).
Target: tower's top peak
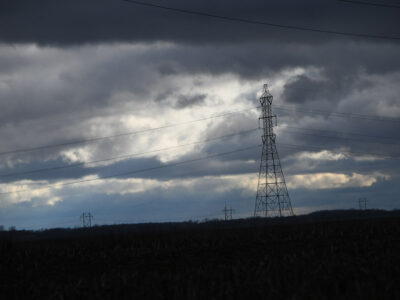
(265,94)
(265,91)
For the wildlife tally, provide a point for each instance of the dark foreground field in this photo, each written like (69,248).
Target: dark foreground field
(350,259)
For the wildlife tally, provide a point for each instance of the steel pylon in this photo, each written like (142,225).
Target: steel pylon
(272,195)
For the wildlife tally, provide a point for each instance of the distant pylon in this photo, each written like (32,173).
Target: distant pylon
(228,212)
(86,219)
(272,195)
(362,202)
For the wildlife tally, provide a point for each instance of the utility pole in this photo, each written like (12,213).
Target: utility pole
(362,202)
(272,195)
(228,212)
(86,219)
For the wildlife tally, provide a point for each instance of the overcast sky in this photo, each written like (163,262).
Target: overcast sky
(162,82)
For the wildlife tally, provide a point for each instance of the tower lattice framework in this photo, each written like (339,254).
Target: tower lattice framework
(272,195)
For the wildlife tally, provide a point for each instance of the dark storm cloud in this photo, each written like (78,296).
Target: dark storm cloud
(264,59)
(89,84)
(301,89)
(185,101)
(211,47)
(88,88)
(60,22)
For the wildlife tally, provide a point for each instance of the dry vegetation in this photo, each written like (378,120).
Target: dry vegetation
(356,259)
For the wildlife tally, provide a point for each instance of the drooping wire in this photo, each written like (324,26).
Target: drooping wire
(345,133)
(97,139)
(291,129)
(255,22)
(342,138)
(369,3)
(277,107)
(338,114)
(56,185)
(127,155)
(296,146)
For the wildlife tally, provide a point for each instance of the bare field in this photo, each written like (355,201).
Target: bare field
(352,259)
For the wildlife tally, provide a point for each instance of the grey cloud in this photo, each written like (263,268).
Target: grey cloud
(89,84)
(301,89)
(89,87)
(60,22)
(185,101)
(166,69)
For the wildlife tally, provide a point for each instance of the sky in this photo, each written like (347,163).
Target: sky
(138,113)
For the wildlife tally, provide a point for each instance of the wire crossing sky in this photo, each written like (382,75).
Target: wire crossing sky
(135,171)
(241,20)
(224,114)
(370,3)
(126,156)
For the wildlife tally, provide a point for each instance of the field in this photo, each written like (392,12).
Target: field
(348,259)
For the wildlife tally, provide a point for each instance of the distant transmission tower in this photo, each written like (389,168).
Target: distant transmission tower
(272,195)
(362,202)
(228,212)
(86,219)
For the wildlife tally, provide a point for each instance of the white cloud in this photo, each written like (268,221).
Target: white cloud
(333,180)
(39,193)
(321,155)
(52,201)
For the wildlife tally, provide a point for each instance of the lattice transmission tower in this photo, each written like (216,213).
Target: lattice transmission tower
(362,202)
(272,195)
(228,212)
(86,219)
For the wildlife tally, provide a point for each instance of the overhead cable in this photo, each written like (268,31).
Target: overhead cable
(371,3)
(171,125)
(97,139)
(56,185)
(127,155)
(255,22)
(338,114)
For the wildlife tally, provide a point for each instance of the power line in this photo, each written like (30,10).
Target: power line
(84,117)
(276,25)
(345,132)
(278,107)
(127,155)
(371,3)
(296,146)
(344,138)
(97,139)
(181,145)
(41,170)
(338,114)
(50,186)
